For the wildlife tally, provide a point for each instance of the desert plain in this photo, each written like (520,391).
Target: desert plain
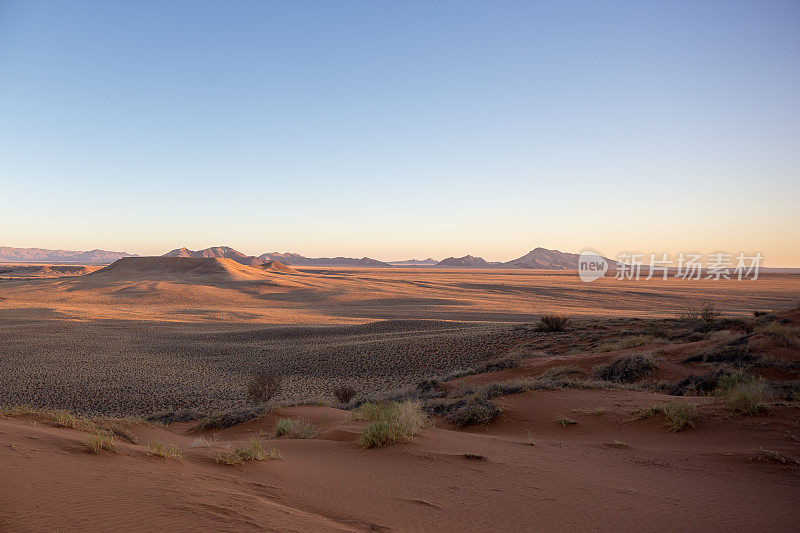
(639,411)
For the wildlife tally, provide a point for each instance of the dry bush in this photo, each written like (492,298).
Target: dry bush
(97,442)
(264,386)
(626,368)
(391,422)
(295,428)
(252,451)
(786,334)
(552,322)
(344,394)
(169,416)
(229,419)
(156,448)
(566,422)
(473,409)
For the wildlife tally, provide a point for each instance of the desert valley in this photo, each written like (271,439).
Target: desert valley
(530,398)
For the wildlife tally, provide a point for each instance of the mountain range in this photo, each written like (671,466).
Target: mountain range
(43,255)
(538,258)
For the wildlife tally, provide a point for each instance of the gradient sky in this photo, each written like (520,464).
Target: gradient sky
(402,129)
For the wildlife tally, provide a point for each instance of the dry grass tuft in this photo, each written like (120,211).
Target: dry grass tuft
(295,428)
(566,422)
(629,341)
(97,442)
(785,334)
(252,451)
(156,448)
(391,422)
(746,396)
(678,415)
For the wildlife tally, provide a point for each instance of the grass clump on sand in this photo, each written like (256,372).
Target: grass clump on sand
(58,418)
(626,368)
(552,322)
(558,373)
(156,448)
(786,334)
(629,341)
(252,451)
(742,393)
(295,428)
(98,442)
(390,422)
(678,415)
(566,422)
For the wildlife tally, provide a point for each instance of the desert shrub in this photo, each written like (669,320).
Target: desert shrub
(495,365)
(552,322)
(735,352)
(252,451)
(701,317)
(629,341)
(566,422)
(697,385)
(474,409)
(58,418)
(227,419)
(295,428)
(169,416)
(680,415)
(98,442)
(156,448)
(264,386)
(560,372)
(748,396)
(391,422)
(785,334)
(344,394)
(626,368)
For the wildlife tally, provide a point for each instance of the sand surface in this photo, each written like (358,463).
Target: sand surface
(147,335)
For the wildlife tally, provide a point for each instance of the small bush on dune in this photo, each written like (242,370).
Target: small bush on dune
(169,416)
(264,386)
(344,393)
(680,415)
(747,396)
(58,418)
(474,409)
(785,334)
(626,368)
(552,322)
(156,448)
(252,451)
(97,442)
(295,428)
(391,422)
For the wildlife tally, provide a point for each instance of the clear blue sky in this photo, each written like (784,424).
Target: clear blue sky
(402,129)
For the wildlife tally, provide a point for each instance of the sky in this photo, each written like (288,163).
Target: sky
(402,129)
